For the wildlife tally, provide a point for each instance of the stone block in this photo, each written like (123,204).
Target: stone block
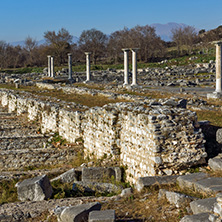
(34,189)
(219,136)
(203,205)
(68,177)
(158,180)
(102,216)
(187,181)
(100,174)
(215,163)
(175,198)
(202,217)
(78,213)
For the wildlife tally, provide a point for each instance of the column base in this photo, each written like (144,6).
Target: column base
(214,95)
(87,81)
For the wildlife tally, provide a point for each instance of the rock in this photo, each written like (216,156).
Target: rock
(91,187)
(203,205)
(175,198)
(68,177)
(100,174)
(219,135)
(102,216)
(126,192)
(35,189)
(202,217)
(78,213)
(215,163)
(5,218)
(155,180)
(182,103)
(187,181)
(170,102)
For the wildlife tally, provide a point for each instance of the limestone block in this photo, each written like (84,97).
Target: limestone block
(202,217)
(102,174)
(215,163)
(78,213)
(102,216)
(34,189)
(219,135)
(68,177)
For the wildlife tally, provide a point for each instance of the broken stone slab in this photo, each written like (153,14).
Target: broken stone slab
(210,185)
(155,180)
(92,187)
(101,174)
(219,136)
(102,216)
(216,163)
(175,198)
(68,177)
(202,217)
(187,181)
(34,189)
(78,213)
(203,205)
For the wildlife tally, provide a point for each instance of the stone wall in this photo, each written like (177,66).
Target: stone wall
(152,139)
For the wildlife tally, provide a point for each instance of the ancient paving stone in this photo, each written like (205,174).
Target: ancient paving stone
(102,216)
(203,205)
(78,213)
(158,180)
(35,189)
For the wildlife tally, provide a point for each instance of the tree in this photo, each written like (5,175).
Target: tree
(59,43)
(30,48)
(93,41)
(185,36)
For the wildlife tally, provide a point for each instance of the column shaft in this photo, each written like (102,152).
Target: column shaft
(88,66)
(49,65)
(70,65)
(134,67)
(126,66)
(52,67)
(218,67)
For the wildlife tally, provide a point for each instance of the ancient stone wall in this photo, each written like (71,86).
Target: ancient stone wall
(151,139)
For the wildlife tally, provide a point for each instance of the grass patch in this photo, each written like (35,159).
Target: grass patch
(8,191)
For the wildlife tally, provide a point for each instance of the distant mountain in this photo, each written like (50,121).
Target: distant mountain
(164,30)
(40,42)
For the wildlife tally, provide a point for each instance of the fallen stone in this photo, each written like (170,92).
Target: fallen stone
(175,198)
(203,205)
(101,174)
(78,213)
(102,216)
(158,180)
(187,181)
(210,185)
(202,217)
(215,163)
(219,135)
(92,187)
(68,177)
(34,189)
(126,192)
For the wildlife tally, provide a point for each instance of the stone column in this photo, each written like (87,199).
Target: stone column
(49,65)
(87,67)
(52,67)
(70,65)
(134,66)
(126,66)
(218,66)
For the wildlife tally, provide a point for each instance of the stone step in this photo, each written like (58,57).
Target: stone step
(17,159)
(201,182)
(15,143)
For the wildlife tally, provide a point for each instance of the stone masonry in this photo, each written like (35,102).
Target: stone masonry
(151,139)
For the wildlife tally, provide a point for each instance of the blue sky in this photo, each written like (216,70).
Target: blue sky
(22,18)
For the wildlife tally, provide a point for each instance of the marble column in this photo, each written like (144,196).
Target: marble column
(88,79)
(134,66)
(52,67)
(126,66)
(218,67)
(49,65)
(70,65)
